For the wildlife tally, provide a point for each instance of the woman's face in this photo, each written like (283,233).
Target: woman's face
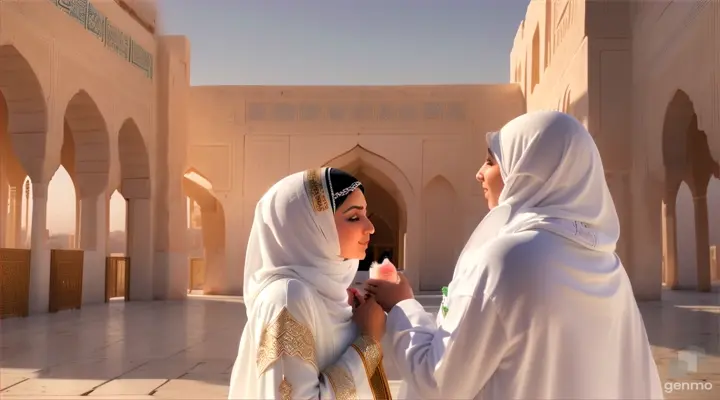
(491,180)
(353,226)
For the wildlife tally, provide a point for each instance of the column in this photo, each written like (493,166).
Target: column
(213,231)
(4,199)
(702,242)
(669,235)
(92,238)
(21,241)
(10,222)
(139,245)
(39,253)
(646,239)
(413,245)
(176,266)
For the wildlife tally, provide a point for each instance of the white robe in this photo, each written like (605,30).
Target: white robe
(291,350)
(540,306)
(299,341)
(513,327)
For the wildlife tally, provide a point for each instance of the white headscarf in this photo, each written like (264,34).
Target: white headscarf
(554,180)
(294,235)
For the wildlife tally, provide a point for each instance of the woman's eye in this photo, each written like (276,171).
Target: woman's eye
(353,218)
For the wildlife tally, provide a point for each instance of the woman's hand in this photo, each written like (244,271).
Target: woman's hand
(387,294)
(354,297)
(370,319)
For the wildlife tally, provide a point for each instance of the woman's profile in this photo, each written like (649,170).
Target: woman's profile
(309,232)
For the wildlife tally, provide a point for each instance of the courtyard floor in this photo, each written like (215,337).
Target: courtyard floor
(185,350)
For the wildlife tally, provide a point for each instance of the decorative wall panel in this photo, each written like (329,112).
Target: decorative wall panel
(363,111)
(84,12)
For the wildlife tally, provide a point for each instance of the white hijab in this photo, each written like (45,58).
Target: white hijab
(294,235)
(554,180)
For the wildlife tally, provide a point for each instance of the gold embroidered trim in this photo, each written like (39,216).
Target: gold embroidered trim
(285,336)
(369,351)
(379,384)
(371,355)
(342,383)
(316,191)
(285,389)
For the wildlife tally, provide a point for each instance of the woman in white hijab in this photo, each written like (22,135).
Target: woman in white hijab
(540,306)
(309,232)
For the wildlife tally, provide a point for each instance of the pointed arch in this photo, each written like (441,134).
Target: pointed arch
(378,168)
(134,162)
(90,142)
(27,111)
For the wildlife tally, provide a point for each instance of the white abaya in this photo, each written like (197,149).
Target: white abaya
(299,341)
(540,306)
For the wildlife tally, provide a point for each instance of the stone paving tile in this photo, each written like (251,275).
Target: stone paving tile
(184,350)
(128,387)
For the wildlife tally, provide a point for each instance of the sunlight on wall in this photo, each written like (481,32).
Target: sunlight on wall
(199,179)
(118,210)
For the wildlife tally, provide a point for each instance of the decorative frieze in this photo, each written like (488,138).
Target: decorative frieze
(84,12)
(363,111)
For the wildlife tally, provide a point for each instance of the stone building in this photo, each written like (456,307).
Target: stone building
(91,85)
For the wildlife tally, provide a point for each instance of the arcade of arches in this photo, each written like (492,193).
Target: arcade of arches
(143,187)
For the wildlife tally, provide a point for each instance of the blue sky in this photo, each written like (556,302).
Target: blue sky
(346,42)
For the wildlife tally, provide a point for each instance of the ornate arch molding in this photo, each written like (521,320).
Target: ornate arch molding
(381,170)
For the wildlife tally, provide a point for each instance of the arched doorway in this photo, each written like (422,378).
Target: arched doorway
(206,235)
(388,192)
(687,163)
(384,212)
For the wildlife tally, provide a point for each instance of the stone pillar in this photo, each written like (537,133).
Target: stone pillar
(702,241)
(413,245)
(237,230)
(213,230)
(10,230)
(171,259)
(39,253)
(4,201)
(21,241)
(92,238)
(139,245)
(645,245)
(87,222)
(669,235)
(78,221)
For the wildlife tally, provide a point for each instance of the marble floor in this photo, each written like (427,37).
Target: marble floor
(184,350)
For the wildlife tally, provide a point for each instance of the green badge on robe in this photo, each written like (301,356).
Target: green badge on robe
(443,304)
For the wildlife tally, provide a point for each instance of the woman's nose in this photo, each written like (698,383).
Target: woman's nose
(479,176)
(370,229)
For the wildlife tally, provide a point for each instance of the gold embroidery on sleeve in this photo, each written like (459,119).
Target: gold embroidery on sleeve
(285,336)
(342,383)
(371,356)
(316,191)
(369,351)
(285,389)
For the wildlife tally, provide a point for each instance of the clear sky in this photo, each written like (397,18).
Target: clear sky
(329,42)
